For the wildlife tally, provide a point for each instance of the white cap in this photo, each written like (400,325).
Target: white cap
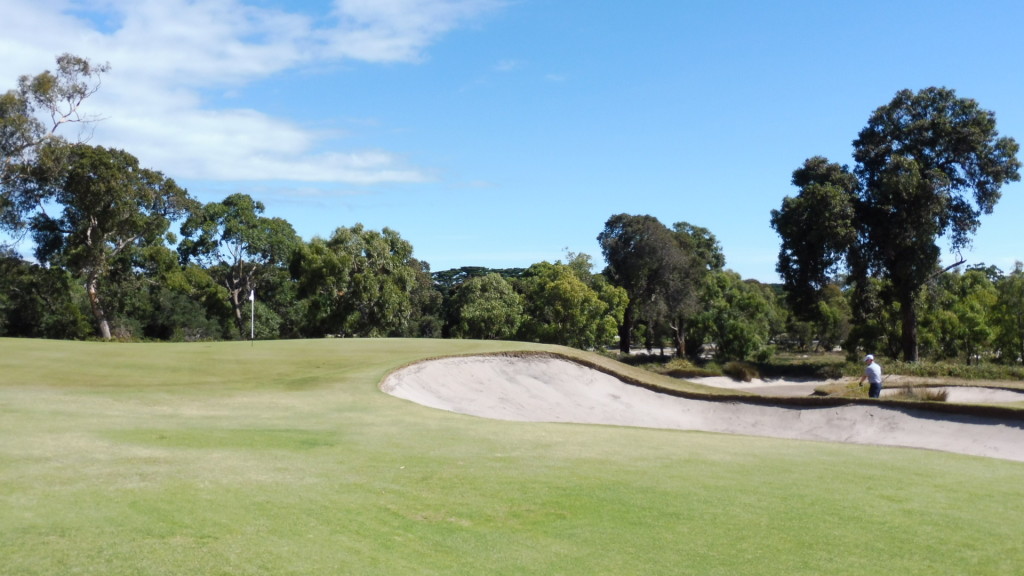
(869,357)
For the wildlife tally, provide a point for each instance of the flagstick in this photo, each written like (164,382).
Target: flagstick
(252,319)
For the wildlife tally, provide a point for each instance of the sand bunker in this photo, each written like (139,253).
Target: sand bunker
(546,389)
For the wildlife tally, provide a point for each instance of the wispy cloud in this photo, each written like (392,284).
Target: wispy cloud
(168,54)
(397,30)
(508,65)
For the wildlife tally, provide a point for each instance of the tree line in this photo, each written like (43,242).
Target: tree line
(121,251)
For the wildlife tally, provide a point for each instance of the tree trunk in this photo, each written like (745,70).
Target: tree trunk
(237,305)
(92,287)
(626,331)
(679,338)
(908,338)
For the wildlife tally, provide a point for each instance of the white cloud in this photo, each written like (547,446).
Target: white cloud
(508,65)
(34,32)
(166,54)
(212,42)
(397,30)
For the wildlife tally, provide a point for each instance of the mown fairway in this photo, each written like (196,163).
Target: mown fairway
(285,458)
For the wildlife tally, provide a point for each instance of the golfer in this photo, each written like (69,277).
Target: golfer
(873,372)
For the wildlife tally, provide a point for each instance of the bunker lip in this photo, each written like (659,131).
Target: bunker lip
(783,387)
(551,389)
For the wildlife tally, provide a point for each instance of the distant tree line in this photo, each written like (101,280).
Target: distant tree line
(122,252)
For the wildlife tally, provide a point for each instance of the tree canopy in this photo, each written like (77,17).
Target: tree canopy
(23,135)
(859,254)
(817,227)
(109,204)
(643,257)
(928,165)
(565,304)
(242,246)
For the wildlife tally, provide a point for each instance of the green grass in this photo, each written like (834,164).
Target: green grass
(284,458)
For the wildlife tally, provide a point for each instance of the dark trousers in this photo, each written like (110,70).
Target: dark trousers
(875,391)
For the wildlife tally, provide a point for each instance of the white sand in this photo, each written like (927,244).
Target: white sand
(545,389)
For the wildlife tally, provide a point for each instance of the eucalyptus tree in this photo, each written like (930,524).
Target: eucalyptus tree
(817,228)
(565,304)
(447,281)
(359,282)
(58,96)
(644,258)
(703,256)
(427,315)
(242,249)
(40,302)
(833,317)
(20,132)
(1008,316)
(929,164)
(107,205)
(956,316)
(739,319)
(486,308)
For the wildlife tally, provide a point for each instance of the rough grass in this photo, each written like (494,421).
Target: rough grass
(285,458)
(916,393)
(835,365)
(741,371)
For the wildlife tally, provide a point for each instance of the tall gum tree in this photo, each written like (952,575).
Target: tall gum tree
(704,256)
(238,245)
(24,136)
(931,164)
(817,228)
(644,258)
(108,204)
(928,164)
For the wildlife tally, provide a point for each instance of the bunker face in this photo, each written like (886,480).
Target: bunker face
(544,389)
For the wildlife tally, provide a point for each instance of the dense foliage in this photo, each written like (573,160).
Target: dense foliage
(929,165)
(121,251)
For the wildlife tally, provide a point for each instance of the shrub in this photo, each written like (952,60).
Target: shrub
(920,394)
(765,354)
(983,371)
(740,371)
(831,371)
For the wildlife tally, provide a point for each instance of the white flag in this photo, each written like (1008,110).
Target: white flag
(252,314)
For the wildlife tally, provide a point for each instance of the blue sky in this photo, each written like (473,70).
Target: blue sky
(501,133)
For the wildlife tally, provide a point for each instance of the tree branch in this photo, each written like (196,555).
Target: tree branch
(960,262)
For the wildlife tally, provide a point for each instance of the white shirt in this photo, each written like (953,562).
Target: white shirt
(874,373)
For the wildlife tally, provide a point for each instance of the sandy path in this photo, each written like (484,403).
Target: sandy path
(545,389)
